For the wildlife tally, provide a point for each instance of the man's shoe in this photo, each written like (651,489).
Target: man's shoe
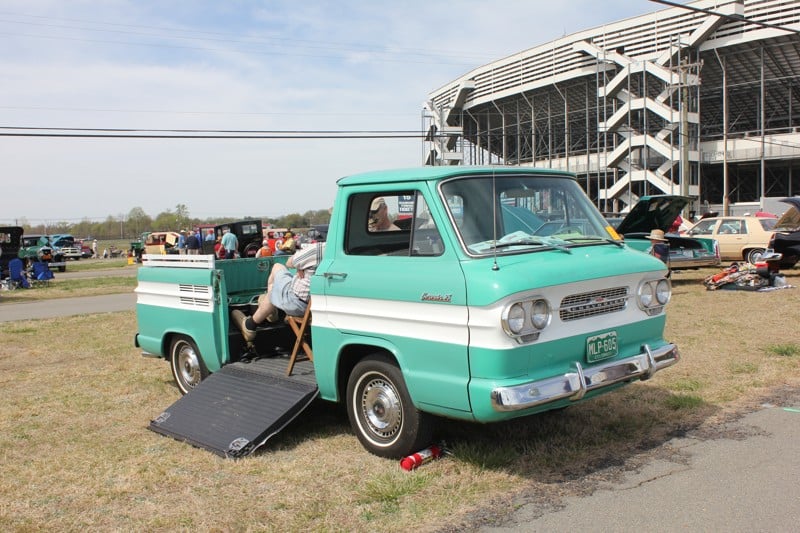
(241,320)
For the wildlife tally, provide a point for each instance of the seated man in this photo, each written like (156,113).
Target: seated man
(288,246)
(379,219)
(286,292)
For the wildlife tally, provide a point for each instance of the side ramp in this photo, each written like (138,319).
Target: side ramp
(237,409)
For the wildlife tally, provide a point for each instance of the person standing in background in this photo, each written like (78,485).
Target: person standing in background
(193,243)
(230,243)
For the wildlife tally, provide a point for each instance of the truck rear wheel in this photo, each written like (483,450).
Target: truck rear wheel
(187,366)
(381,412)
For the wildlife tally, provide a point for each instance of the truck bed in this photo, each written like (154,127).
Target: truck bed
(303,371)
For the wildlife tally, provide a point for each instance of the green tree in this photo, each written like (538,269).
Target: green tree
(166,221)
(295,220)
(138,221)
(321,216)
(182,217)
(84,228)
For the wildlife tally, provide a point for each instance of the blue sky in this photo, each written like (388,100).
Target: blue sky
(236,65)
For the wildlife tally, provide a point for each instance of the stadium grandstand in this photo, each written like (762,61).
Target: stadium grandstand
(700,99)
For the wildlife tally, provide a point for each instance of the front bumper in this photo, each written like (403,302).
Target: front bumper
(575,385)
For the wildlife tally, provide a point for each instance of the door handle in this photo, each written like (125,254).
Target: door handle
(331,275)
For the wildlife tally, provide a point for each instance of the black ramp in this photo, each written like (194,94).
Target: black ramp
(235,410)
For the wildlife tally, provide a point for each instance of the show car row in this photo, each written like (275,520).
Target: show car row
(707,243)
(712,240)
(51,249)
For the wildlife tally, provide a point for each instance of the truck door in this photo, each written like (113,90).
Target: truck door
(395,282)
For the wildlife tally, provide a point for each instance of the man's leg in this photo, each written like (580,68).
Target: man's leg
(265,307)
(265,311)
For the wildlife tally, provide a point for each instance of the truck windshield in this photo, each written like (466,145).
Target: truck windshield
(520,213)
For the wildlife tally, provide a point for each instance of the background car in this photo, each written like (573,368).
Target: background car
(37,248)
(318,232)
(161,242)
(10,240)
(786,239)
(659,212)
(740,238)
(249,234)
(64,244)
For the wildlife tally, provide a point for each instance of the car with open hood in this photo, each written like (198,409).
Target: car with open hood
(658,212)
(36,247)
(786,236)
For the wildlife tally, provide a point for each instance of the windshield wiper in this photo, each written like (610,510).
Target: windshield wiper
(531,242)
(595,238)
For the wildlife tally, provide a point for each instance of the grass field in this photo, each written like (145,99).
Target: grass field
(76,454)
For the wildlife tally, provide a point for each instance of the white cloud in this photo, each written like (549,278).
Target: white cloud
(236,66)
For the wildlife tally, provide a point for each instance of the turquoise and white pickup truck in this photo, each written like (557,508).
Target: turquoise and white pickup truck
(496,293)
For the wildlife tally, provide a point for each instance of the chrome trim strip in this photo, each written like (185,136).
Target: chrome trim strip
(575,385)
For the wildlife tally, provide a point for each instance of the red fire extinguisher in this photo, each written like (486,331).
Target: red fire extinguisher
(421,457)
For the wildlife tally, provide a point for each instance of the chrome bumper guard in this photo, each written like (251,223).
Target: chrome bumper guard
(575,385)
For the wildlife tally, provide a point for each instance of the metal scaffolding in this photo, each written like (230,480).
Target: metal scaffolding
(677,102)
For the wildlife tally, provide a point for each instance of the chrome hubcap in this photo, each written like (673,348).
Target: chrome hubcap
(188,366)
(382,408)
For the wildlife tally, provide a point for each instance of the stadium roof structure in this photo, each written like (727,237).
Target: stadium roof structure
(700,100)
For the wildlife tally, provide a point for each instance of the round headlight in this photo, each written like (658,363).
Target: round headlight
(663,292)
(540,314)
(646,295)
(516,318)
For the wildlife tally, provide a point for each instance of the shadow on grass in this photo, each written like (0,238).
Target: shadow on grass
(574,442)
(551,447)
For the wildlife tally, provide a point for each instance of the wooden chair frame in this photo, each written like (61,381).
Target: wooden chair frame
(300,327)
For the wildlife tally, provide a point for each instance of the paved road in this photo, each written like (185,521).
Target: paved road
(747,478)
(81,305)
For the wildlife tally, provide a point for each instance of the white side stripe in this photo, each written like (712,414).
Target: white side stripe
(175,296)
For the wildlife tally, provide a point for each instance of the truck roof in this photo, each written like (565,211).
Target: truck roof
(437,173)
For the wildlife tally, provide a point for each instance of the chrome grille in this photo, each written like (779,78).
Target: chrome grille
(586,304)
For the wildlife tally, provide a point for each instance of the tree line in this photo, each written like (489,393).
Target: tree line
(136,222)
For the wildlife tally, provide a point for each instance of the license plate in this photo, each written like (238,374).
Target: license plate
(603,346)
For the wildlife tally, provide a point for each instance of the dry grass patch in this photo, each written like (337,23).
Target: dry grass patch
(69,288)
(76,453)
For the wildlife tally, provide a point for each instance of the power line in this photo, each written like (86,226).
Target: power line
(204,136)
(190,112)
(277,132)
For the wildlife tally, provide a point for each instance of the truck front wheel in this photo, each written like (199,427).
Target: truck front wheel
(381,412)
(187,366)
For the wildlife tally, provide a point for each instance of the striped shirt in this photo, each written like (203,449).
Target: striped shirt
(306,261)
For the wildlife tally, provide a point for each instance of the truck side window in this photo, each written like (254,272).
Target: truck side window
(391,223)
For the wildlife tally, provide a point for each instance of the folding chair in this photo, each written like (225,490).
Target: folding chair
(16,274)
(299,325)
(42,273)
